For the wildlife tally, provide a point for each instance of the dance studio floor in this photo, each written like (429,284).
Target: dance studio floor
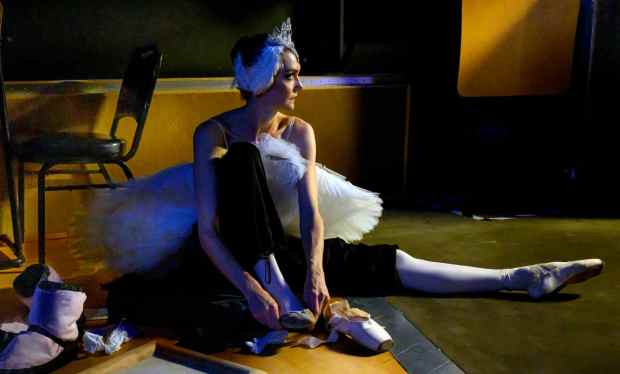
(576,331)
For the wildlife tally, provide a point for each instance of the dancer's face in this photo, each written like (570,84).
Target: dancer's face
(286,85)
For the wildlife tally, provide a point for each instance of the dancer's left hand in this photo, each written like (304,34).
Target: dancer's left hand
(315,290)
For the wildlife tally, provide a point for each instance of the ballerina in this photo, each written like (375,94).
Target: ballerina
(265,215)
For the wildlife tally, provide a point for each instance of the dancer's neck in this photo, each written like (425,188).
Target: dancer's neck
(257,119)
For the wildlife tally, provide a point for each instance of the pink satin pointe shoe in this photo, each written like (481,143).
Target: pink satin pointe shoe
(358,325)
(553,276)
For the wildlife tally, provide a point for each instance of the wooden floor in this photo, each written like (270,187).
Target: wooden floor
(324,359)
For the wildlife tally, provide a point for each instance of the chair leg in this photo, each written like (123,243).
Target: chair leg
(16,245)
(125,168)
(41,208)
(21,207)
(105,174)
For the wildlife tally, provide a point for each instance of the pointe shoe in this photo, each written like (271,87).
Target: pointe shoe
(371,335)
(357,324)
(553,276)
(298,320)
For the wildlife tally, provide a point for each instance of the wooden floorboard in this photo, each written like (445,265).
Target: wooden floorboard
(324,359)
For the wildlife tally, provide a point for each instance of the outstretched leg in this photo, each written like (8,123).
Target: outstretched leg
(538,280)
(437,277)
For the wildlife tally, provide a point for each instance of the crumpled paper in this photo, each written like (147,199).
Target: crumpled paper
(108,339)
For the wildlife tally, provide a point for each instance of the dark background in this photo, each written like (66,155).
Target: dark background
(527,154)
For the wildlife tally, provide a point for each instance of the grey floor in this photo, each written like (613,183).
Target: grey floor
(412,349)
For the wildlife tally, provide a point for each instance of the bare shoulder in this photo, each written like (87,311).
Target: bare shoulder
(302,135)
(218,122)
(301,130)
(207,127)
(209,134)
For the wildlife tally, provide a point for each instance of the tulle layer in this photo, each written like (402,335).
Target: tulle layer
(137,226)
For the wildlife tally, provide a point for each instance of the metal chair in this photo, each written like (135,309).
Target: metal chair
(16,244)
(51,149)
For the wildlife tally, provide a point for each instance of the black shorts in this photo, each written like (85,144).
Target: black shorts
(350,269)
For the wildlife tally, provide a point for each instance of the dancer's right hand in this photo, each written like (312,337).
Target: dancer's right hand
(263,306)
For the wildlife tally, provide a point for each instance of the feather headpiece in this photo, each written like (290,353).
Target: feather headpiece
(258,77)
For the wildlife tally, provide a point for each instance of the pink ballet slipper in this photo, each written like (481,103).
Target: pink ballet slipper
(51,339)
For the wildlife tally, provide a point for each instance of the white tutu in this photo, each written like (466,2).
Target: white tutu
(135,227)
(348,211)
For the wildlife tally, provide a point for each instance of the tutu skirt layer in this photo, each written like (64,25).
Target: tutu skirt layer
(135,227)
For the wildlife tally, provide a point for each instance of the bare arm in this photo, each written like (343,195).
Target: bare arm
(311,223)
(206,138)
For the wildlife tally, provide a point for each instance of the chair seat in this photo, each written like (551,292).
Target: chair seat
(68,147)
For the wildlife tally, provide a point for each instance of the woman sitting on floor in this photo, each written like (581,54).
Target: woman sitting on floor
(274,224)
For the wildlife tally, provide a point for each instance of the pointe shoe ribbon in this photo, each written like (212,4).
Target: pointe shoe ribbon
(357,324)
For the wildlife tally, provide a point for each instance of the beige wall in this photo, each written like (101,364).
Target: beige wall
(516,47)
(361,132)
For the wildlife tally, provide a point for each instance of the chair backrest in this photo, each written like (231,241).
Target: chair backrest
(136,92)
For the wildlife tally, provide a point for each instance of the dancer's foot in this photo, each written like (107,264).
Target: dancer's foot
(543,279)
(293,314)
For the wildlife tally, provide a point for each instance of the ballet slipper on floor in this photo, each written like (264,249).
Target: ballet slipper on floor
(553,276)
(298,320)
(357,324)
(51,339)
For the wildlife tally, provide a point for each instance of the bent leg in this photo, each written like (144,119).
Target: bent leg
(249,224)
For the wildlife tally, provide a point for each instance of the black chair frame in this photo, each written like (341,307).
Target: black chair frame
(134,100)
